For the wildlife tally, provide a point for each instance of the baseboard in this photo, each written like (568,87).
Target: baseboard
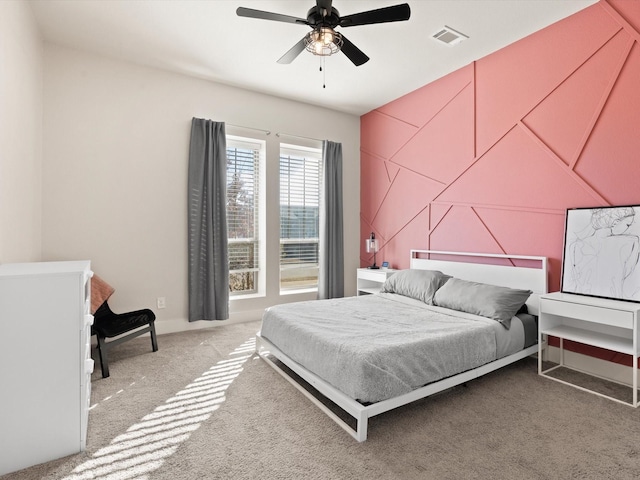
(182,324)
(595,366)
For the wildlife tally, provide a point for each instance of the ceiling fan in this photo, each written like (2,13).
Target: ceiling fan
(323,19)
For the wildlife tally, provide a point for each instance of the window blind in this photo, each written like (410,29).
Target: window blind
(300,180)
(243,169)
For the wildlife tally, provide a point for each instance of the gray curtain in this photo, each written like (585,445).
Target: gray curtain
(331,258)
(208,250)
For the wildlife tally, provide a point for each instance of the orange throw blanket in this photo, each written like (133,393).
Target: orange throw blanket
(100,292)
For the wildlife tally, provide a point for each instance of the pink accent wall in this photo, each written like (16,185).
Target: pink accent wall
(488,158)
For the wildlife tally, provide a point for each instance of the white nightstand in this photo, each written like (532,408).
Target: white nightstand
(610,324)
(370,280)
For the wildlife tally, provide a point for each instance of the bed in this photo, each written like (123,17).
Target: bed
(444,321)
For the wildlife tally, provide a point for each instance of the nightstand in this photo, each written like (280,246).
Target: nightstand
(604,323)
(370,280)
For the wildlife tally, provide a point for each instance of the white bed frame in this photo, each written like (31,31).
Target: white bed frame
(532,277)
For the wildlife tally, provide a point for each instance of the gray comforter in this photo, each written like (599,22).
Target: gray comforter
(376,347)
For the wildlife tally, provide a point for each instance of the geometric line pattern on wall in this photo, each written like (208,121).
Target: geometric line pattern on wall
(611,159)
(413,235)
(438,152)
(520,232)
(376,179)
(438,212)
(626,14)
(392,170)
(518,173)
(569,112)
(432,98)
(396,134)
(461,230)
(513,80)
(395,212)
(603,101)
(548,123)
(597,199)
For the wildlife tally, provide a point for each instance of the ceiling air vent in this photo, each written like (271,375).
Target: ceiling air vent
(449,36)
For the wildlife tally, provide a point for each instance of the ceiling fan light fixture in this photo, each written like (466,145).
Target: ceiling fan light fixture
(323,41)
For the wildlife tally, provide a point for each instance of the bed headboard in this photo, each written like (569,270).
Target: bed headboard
(514,271)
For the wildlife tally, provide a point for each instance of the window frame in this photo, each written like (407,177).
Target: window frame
(259,230)
(307,153)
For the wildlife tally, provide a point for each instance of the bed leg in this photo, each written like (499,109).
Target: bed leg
(361,432)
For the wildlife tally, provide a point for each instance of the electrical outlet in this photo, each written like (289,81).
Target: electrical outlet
(161,302)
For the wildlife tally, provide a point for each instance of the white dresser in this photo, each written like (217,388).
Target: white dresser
(45,361)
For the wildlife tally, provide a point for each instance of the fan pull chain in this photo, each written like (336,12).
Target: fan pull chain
(323,70)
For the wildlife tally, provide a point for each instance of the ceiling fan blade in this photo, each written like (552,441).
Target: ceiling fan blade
(277,17)
(293,52)
(353,53)
(396,13)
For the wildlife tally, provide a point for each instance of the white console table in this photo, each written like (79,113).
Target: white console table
(609,324)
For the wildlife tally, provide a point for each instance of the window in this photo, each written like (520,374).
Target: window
(243,213)
(300,180)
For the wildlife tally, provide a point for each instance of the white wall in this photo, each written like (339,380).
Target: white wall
(21,60)
(116,140)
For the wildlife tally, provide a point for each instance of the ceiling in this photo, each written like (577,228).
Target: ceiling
(206,39)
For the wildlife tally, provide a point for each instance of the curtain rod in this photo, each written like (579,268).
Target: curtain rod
(298,136)
(266,132)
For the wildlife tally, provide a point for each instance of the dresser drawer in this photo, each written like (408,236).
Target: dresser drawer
(85,338)
(588,313)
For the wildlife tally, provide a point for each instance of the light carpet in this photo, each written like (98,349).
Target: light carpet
(203,407)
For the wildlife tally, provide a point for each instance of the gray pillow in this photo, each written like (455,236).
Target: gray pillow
(418,284)
(491,301)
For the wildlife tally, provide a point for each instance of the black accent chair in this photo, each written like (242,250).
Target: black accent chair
(107,324)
